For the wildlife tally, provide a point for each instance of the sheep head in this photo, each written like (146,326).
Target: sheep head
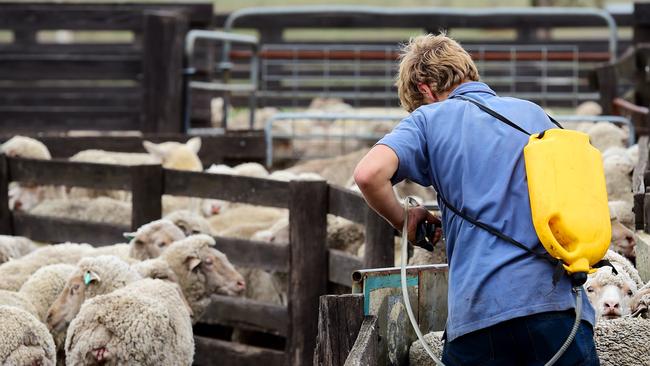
(94,276)
(175,155)
(151,239)
(203,271)
(189,222)
(623,241)
(610,294)
(67,305)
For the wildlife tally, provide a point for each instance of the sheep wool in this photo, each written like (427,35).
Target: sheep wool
(189,222)
(45,285)
(623,342)
(25,340)
(113,272)
(145,323)
(25,147)
(11,298)
(15,273)
(12,247)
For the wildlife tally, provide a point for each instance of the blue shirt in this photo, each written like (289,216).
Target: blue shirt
(476,162)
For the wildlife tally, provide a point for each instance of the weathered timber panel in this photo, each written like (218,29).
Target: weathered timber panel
(255,191)
(339,321)
(248,314)
(254,254)
(211,352)
(54,172)
(58,230)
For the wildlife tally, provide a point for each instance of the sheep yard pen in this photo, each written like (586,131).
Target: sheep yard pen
(305,258)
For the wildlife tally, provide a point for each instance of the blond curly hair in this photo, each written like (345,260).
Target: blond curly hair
(435,60)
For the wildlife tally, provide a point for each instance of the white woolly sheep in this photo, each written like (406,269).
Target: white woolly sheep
(633,153)
(155,268)
(623,240)
(12,298)
(22,197)
(152,238)
(605,135)
(255,170)
(241,213)
(337,170)
(611,294)
(92,277)
(619,342)
(13,247)
(202,271)
(25,147)
(623,264)
(44,286)
(25,340)
(623,342)
(101,209)
(623,211)
(189,222)
(144,323)
(641,302)
(15,273)
(618,178)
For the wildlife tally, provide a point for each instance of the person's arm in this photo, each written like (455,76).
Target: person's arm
(373,176)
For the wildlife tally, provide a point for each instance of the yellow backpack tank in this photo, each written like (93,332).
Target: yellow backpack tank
(568,197)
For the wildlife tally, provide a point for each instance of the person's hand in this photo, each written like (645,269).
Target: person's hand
(417,215)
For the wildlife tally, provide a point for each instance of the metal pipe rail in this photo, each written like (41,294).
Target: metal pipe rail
(269,135)
(465,14)
(224,67)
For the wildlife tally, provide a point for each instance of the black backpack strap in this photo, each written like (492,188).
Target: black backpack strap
(500,117)
(493,113)
(555,122)
(559,269)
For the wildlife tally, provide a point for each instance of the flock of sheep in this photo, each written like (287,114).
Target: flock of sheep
(74,304)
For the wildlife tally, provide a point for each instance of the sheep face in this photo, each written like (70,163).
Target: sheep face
(610,295)
(641,303)
(67,305)
(153,238)
(176,155)
(24,197)
(623,241)
(212,268)
(211,207)
(190,223)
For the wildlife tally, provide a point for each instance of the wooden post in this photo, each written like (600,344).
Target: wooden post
(147,187)
(339,321)
(365,350)
(380,242)
(308,261)
(641,23)
(162,68)
(5,213)
(606,76)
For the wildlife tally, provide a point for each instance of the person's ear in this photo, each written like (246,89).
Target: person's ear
(426,92)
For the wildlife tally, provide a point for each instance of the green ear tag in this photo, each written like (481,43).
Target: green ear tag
(87,278)
(128,236)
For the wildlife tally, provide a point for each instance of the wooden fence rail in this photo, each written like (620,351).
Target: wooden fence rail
(306,258)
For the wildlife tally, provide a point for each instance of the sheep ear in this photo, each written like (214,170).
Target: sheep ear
(154,149)
(194,144)
(192,263)
(90,277)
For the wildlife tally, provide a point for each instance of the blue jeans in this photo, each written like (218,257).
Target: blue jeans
(530,340)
